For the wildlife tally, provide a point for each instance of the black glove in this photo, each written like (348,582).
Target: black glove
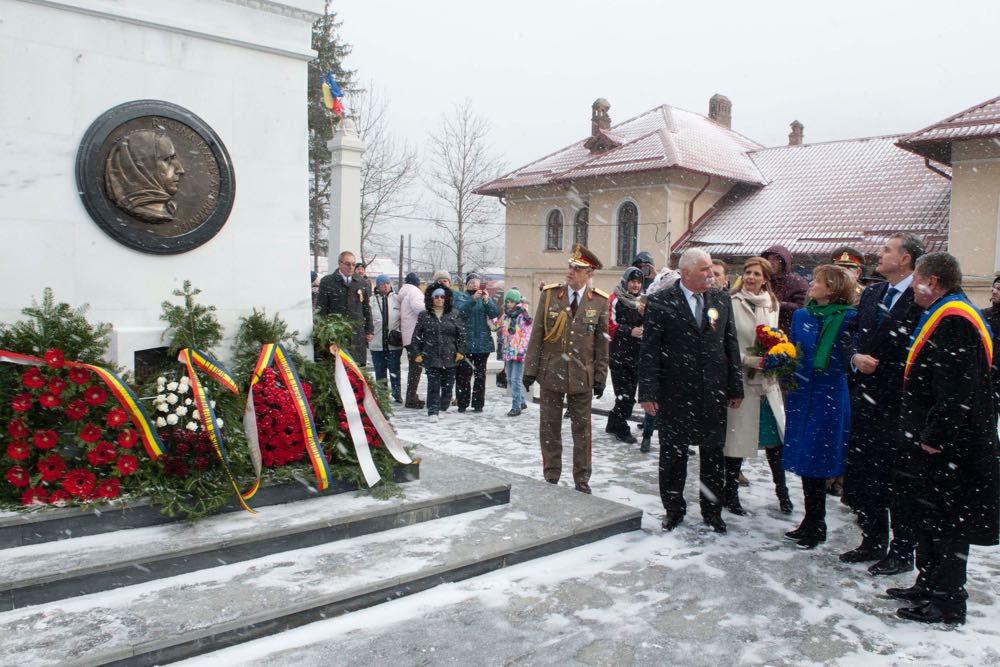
(527,381)
(598,390)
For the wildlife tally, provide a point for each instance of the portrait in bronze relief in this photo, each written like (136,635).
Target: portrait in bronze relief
(155,177)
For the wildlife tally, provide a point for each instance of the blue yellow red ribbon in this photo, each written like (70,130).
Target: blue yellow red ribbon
(955,305)
(192,358)
(126,397)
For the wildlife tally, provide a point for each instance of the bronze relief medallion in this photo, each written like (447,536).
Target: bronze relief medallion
(155,177)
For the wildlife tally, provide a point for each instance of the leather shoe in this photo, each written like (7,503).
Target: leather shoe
(672,520)
(583,487)
(626,437)
(644,445)
(797,534)
(862,554)
(717,524)
(911,594)
(929,612)
(891,565)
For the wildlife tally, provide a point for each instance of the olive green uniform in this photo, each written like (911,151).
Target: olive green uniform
(568,355)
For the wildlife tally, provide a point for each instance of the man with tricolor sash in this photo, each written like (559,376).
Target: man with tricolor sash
(949,424)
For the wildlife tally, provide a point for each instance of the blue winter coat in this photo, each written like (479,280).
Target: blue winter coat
(818,413)
(477,315)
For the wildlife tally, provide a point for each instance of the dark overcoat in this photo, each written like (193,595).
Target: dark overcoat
(353,300)
(873,447)
(691,369)
(437,339)
(948,405)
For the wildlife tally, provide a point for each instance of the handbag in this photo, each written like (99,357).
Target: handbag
(395,338)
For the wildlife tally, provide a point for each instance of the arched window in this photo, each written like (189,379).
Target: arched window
(628,232)
(580,226)
(554,230)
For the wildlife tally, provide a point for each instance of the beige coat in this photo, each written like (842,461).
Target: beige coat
(743,427)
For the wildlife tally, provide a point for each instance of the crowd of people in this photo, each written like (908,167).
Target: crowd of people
(892,396)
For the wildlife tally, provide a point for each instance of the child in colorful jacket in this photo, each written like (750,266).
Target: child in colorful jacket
(513,332)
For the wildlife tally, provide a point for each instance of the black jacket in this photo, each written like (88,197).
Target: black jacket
(690,369)
(352,300)
(438,339)
(624,349)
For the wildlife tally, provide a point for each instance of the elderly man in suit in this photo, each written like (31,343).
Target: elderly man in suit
(342,293)
(689,373)
(875,480)
(568,354)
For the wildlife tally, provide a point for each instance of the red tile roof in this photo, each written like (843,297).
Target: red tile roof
(662,138)
(979,122)
(820,196)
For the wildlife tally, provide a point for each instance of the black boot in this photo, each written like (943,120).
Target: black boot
(731,490)
(778,475)
(815,502)
(644,445)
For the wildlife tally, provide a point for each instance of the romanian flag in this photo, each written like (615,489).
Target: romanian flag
(955,305)
(332,94)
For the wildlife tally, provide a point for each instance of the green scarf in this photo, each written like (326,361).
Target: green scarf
(832,316)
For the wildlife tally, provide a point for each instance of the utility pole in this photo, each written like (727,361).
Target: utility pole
(400,283)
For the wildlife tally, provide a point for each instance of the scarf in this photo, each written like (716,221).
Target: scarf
(832,316)
(626,297)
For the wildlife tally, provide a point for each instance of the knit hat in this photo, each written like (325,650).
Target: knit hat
(412,279)
(382,280)
(438,292)
(513,295)
(440,275)
(631,273)
(472,275)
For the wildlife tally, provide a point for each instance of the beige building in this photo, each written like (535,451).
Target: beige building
(969,143)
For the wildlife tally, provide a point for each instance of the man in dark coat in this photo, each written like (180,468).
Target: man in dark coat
(342,294)
(789,287)
(950,425)
(689,373)
(876,477)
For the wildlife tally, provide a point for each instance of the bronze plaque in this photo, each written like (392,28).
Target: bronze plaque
(155,177)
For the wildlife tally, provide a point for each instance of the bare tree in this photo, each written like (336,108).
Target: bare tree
(460,160)
(388,168)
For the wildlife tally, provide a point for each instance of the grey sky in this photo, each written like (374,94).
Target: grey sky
(844,69)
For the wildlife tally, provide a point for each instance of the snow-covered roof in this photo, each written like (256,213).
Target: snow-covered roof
(979,122)
(824,195)
(662,138)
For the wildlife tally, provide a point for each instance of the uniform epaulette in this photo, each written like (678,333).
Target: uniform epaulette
(602,293)
(551,285)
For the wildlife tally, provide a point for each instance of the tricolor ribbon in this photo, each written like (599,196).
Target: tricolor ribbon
(955,305)
(343,364)
(277,354)
(191,358)
(126,397)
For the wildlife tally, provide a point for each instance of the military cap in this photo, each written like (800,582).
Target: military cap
(848,257)
(584,259)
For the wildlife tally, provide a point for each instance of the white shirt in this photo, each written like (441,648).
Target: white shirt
(579,295)
(901,287)
(692,299)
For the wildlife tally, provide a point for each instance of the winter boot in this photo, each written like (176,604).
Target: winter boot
(778,475)
(815,501)
(731,490)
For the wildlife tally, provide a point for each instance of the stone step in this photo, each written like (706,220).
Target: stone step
(202,611)
(55,570)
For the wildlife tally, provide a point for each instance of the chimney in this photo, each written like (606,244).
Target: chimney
(599,119)
(720,109)
(795,136)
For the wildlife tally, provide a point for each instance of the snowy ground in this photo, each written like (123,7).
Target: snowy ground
(689,597)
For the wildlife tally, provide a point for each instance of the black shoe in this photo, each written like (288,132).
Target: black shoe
(891,565)
(524,406)
(911,594)
(929,612)
(514,413)
(796,535)
(735,508)
(477,409)
(396,398)
(583,487)
(626,437)
(552,481)
(812,540)
(461,410)
(785,504)
(862,554)
(644,445)
(836,489)
(717,524)
(672,520)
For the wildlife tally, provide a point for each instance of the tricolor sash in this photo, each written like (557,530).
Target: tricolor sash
(344,364)
(954,305)
(276,353)
(191,357)
(126,397)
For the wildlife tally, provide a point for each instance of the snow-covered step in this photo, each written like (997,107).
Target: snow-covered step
(202,611)
(55,570)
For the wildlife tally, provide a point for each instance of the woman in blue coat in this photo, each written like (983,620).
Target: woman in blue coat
(819,409)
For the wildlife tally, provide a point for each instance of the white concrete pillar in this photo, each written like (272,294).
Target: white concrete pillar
(346,148)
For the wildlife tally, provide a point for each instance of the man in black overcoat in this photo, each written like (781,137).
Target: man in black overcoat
(342,293)
(949,423)
(876,477)
(689,373)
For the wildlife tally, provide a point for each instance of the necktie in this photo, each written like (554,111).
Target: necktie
(573,304)
(886,305)
(698,308)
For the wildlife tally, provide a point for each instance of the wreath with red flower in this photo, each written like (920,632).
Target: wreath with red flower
(278,427)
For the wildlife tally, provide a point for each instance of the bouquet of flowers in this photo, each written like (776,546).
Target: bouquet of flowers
(778,357)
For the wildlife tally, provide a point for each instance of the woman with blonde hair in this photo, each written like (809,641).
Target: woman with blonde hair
(760,421)
(818,419)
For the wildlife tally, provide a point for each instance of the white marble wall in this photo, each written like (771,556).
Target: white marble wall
(241,67)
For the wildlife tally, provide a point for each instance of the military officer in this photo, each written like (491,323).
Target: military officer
(568,354)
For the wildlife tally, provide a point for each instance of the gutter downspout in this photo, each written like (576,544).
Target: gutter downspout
(940,172)
(690,216)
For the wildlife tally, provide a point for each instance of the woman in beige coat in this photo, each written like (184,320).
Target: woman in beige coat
(760,421)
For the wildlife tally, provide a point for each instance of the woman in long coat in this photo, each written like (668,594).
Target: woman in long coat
(818,419)
(760,421)
(439,345)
